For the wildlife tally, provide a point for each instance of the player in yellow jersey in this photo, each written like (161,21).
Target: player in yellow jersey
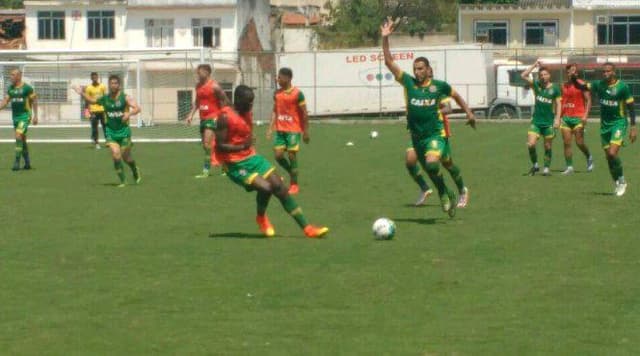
(96,90)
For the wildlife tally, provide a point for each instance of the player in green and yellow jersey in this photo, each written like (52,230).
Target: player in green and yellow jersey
(546,115)
(616,103)
(118,108)
(424,119)
(24,111)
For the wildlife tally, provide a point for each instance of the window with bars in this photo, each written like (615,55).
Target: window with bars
(159,32)
(100,24)
(619,30)
(206,32)
(51,91)
(492,32)
(541,33)
(51,25)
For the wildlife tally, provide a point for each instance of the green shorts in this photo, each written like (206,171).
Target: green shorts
(436,144)
(613,134)
(21,125)
(571,123)
(288,141)
(245,172)
(208,124)
(545,131)
(124,141)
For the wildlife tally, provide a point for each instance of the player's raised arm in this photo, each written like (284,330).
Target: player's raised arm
(221,137)
(527,72)
(84,95)
(471,118)
(385,31)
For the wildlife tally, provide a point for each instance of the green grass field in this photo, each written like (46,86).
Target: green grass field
(534,265)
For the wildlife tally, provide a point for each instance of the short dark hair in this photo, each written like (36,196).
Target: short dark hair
(94,73)
(286,72)
(546,69)
(115,77)
(206,67)
(423,60)
(243,98)
(571,65)
(613,66)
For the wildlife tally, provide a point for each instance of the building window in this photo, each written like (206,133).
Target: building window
(619,30)
(100,24)
(206,32)
(541,33)
(492,32)
(51,92)
(51,25)
(159,32)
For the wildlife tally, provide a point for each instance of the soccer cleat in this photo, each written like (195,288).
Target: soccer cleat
(121,185)
(423,197)
(463,199)
(315,232)
(533,171)
(447,201)
(16,166)
(98,146)
(590,164)
(137,176)
(294,189)
(546,172)
(568,171)
(621,188)
(205,174)
(265,226)
(27,167)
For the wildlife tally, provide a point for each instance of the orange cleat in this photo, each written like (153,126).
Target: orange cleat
(265,226)
(315,232)
(294,189)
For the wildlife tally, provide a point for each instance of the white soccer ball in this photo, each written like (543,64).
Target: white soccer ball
(373,134)
(384,229)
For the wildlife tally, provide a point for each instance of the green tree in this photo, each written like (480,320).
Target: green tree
(11,4)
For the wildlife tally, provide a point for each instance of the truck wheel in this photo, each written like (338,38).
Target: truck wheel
(504,112)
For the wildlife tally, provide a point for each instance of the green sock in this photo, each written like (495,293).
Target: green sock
(533,155)
(457,177)
(433,170)
(414,172)
(586,152)
(569,160)
(262,201)
(119,170)
(612,170)
(617,168)
(134,169)
(284,163)
(547,158)
(291,207)
(19,148)
(207,158)
(293,173)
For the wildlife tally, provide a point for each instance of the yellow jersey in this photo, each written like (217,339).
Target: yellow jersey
(96,92)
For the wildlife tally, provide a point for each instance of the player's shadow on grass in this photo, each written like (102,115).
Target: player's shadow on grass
(425,221)
(236,235)
(606,194)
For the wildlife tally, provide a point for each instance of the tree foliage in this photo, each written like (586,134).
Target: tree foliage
(11,4)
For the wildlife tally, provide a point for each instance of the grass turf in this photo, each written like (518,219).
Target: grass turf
(534,265)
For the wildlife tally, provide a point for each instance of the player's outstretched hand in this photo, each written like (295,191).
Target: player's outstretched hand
(388,26)
(471,121)
(305,137)
(633,133)
(34,120)
(77,89)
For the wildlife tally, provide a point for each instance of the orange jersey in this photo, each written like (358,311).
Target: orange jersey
(288,110)
(239,131)
(208,101)
(573,100)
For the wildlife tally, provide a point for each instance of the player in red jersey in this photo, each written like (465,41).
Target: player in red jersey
(289,120)
(244,167)
(576,102)
(209,100)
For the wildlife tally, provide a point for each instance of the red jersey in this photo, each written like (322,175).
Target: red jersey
(208,101)
(572,100)
(239,131)
(288,110)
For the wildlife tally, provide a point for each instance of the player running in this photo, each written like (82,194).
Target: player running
(424,118)
(209,99)
(234,148)
(118,108)
(96,90)
(24,111)
(616,103)
(289,120)
(544,122)
(576,102)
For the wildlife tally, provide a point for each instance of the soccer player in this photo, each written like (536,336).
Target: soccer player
(118,108)
(424,118)
(234,148)
(544,122)
(96,90)
(616,103)
(289,120)
(576,102)
(24,111)
(209,100)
